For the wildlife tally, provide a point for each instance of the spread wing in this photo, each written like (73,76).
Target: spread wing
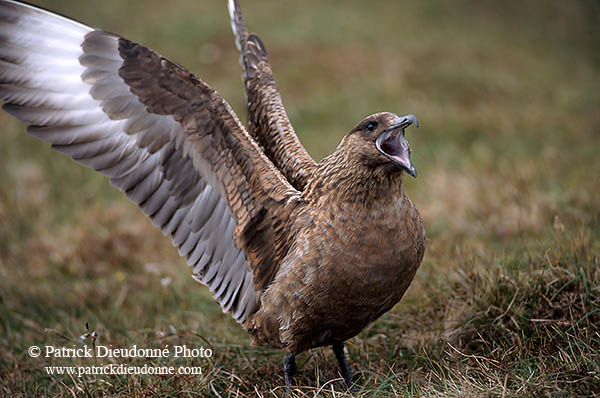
(165,138)
(268,122)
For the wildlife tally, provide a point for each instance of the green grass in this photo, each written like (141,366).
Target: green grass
(507,300)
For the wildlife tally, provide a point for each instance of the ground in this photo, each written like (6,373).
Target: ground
(507,300)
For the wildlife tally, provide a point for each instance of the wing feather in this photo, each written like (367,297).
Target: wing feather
(161,135)
(268,122)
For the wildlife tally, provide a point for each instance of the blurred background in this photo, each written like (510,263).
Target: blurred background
(508,98)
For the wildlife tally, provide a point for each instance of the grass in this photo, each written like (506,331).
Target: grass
(507,300)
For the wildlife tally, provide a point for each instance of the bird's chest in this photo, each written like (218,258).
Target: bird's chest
(350,267)
(373,245)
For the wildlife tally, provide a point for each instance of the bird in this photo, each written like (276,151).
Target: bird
(302,254)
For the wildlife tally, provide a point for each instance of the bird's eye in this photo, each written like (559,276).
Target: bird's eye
(371,126)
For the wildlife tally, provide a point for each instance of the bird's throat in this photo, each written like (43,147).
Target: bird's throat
(337,180)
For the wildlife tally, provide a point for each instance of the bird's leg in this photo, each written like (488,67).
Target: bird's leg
(338,350)
(289,368)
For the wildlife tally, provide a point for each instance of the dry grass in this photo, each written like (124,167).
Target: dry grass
(507,301)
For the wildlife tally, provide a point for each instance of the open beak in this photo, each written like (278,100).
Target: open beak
(391,143)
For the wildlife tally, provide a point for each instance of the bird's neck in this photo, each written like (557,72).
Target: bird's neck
(343,177)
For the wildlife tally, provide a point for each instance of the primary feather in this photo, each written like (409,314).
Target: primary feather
(161,135)
(268,122)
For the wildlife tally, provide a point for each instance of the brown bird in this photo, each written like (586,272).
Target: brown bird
(302,254)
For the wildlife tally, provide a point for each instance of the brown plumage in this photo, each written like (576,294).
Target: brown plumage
(301,254)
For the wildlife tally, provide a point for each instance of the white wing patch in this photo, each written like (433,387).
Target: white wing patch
(232,7)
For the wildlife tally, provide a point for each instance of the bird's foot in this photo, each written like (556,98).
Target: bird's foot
(338,350)
(289,369)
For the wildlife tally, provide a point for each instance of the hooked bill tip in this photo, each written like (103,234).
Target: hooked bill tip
(405,121)
(412,118)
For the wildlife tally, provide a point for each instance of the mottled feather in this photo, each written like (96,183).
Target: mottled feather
(268,122)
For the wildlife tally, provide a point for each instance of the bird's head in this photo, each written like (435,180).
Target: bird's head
(379,141)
